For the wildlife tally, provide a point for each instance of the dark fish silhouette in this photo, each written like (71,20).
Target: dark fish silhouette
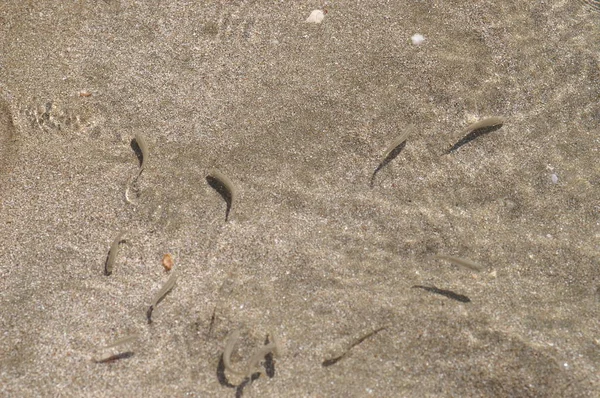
(447,293)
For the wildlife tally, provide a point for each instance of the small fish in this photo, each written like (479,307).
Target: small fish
(484,123)
(117,343)
(477,129)
(390,153)
(332,361)
(255,360)
(121,341)
(254,364)
(160,295)
(116,357)
(223,185)
(447,293)
(112,254)
(229,346)
(141,143)
(464,262)
(212,321)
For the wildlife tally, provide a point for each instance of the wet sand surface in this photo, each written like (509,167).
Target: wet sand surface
(298,116)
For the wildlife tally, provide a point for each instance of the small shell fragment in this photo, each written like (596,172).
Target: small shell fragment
(167,262)
(417,39)
(315,17)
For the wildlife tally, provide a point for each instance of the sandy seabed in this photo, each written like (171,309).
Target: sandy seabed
(298,116)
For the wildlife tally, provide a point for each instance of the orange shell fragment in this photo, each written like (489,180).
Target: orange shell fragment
(168,262)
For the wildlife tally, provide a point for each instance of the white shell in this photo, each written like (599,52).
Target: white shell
(315,17)
(417,39)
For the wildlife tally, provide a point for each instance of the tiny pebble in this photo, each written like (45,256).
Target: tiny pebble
(554,178)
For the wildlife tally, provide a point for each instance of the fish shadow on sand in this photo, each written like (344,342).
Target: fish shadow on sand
(473,135)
